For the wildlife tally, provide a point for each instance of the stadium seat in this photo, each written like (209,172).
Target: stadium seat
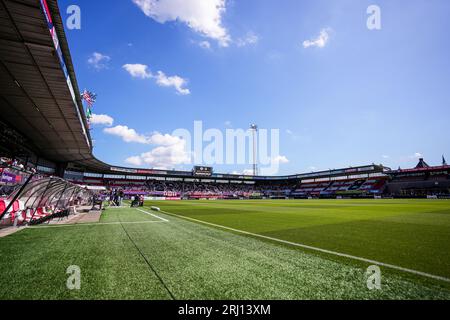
(15,206)
(2,206)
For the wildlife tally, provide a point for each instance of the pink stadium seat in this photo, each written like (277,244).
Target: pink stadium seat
(15,206)
(39,213)
(2,206)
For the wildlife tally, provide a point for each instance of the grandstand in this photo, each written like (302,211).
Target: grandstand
(421,181)
(363,181)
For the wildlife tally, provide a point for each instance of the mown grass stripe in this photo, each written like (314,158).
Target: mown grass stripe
(339,254)
(147,262)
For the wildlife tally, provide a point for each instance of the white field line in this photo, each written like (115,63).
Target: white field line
(91,224)
(391,266)
(153,215)
(104,223)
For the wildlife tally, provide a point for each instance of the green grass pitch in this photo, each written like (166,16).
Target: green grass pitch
(130,254)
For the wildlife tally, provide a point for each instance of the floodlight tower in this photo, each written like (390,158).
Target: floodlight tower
(254,129)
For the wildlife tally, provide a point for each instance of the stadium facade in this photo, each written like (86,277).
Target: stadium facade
(43,128)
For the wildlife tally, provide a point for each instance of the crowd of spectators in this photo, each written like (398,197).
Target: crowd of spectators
(258,189)
(16,164)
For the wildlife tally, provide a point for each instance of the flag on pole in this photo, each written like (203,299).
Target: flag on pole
(89,97)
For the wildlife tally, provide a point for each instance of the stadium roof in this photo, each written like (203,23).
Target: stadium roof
(38,88)
(422,164)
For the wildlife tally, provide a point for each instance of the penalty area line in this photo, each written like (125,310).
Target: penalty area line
(335,253)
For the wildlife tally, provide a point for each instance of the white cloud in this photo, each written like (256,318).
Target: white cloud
(163,139)
(320,42)
(137,70)
(134,161)
(246,172)
(205,44)
(312,168)
(102,119)
(130,135)
(127,134)
(228,124)
(203,16)
(385,156)
(417,155)
(142,71)
(170,152)
(280,159)
(173,81)
(250,39)
(99,61)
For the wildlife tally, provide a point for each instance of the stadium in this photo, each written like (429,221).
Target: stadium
(153,234)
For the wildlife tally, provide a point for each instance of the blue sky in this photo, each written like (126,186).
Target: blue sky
(355,96)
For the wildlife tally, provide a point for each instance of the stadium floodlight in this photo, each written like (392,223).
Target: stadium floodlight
(254,129)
